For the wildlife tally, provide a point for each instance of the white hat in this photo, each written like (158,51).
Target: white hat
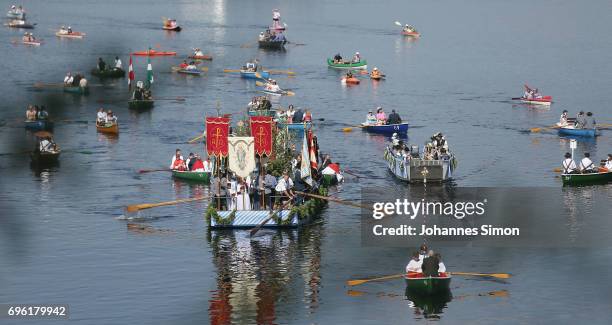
(356,52)
(375,68)
(394,135)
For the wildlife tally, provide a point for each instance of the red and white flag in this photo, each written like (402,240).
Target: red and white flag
(130,74)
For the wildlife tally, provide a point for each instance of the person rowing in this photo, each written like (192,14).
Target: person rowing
(198,53)
(251,66)
(409,29)
(47,145)
(580,120)
(338,58)
(63,30)
(170,23)
(356,58)
(101,117)
(431,265)
(68,79)
(586,164)
(69,30)
(118,63)
(563,119)
(375,74)
(183,65)
(394,118)
(414,266)
(272,86)
(608,164)
(111,119)
(178,162)
(569,166)
(101,64)
(589,121)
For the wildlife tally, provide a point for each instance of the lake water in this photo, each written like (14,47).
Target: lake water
(63,235)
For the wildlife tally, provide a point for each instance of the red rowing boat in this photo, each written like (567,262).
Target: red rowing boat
(153,53)
(412,34)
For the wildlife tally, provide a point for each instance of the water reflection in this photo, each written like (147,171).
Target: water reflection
(428,306)
(254,273)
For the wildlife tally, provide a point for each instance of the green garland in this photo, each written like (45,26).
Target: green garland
(211,214)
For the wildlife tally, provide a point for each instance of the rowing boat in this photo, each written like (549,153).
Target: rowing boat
(377,77)
(420,170)
(70,35)
(587,179)
(141,104)
(110,129)
(253,74)
(19,24)
(190,71)
(38,125)
(544,100)
(76,90)
(108,73)
(172,29)
(272,45)
(43,158)
(201,177)
(363,64)
(32,43)
(350,81)
(401,128)
(420,284)
(411,34)
(201,57)
(154,53)
(572,131)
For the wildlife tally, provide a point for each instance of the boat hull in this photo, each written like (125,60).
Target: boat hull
(545,100)
(190,72)
(272,45)
(361,65)
(411,34)
(590,133)
(173,29)
(350,81)
(71,35)
(45,158)
(201,57)
(427,286)
(32,43)
(113,129)
(386,129)
(418,170)
(140,104)
(200,177)
(38,125)
(586,179)
(108,73)
(251,75)
(22,26)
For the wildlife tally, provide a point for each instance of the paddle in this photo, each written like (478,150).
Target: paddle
(350,129)
(142,171)
(197,138)
(536,130)
(356,205)
(394,276)
(261,224)
(231,70)
(353,174)
(138,207)
(398,23)
(288,72)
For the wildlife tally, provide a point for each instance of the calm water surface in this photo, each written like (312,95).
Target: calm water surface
(63,236)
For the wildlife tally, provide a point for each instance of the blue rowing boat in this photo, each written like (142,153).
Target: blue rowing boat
(252,74)
(570,130)
(190,71)
(401,128)
(38,125)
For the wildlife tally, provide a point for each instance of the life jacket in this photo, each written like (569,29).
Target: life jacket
(198,164)
(178,164)
(307,117)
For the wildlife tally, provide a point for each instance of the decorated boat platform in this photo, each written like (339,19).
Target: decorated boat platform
(418,169)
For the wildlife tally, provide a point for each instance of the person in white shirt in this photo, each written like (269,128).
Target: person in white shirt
(111,118)
(83,83)
(208,165)
(608,164)
(563,118)
(441,266)
(46,145)
(284,188)
(68,79)
(569,166)
(262,36)
(356,57)
(586,164)
(290,113)
(101,117)
(414,266)
(395,139)
(272,86)
(198,52)
(118,63)
(63,30)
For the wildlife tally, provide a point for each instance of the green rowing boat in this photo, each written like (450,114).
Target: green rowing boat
(586,179)
(428,285)
(363,64)
(201,177)
(140,104)
(108,73)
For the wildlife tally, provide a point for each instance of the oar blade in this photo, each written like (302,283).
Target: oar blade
(347,130)
(535,130)
(351,283)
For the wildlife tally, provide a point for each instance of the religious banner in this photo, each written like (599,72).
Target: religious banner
(261,131)
(217,130)
(241,155)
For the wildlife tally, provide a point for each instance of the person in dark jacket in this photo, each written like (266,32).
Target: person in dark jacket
(394,118)
(431,264)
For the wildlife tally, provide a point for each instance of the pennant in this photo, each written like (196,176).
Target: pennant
(149,72)
(305,165)
(217,130)
(130,74)
(261,131)
(241,155)
(313,146)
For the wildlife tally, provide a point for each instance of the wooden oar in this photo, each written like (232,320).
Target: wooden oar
(398,23)
(197,138)
(50,85)
(231,70)
(288,72)
(388,277)
(331,199)
(353,174)
(142,171)
(261,224)
(493,275)
(138,207)
(350,129)
(536,130)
